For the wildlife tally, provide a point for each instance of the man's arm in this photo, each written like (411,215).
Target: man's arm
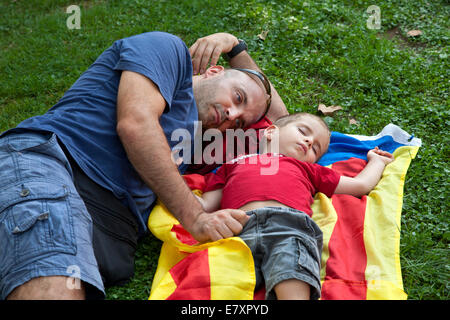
(139,106)
(212,46)
(368,178)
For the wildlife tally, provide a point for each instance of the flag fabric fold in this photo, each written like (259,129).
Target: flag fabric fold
(361,252)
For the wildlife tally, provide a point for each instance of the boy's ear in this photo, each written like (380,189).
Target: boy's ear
(270,131)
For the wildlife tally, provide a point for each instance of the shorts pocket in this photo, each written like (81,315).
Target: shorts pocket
(31,141)
(35,219)
(309,258)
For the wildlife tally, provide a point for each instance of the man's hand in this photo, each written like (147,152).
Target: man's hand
(217,225)
(210,48)
(378,154)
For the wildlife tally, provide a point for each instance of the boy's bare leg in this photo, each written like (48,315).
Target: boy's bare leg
(292,289)
(48,288)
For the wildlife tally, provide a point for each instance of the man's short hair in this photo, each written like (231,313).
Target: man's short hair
(264,81)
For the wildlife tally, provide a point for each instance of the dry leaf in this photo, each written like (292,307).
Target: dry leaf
(352,121)
(263,35)
(328,111)
(414,33)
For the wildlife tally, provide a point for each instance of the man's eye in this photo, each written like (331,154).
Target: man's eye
(238,97)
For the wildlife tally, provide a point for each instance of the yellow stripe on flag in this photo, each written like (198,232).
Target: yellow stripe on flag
(382,229)
(164,288)
(163,285)
(325,216)
(384,290)
(232,270)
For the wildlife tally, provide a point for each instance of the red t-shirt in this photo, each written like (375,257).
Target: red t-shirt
(272,177)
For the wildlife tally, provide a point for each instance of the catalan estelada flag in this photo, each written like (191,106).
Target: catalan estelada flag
(360,258)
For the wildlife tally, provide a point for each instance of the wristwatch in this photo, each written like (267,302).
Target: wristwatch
(241,46)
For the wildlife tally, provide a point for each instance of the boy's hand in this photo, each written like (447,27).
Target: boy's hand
(380,155)
(368,178)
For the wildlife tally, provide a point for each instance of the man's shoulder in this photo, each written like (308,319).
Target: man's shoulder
(151,38)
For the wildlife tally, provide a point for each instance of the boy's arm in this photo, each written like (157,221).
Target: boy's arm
(368,178)
(211,200)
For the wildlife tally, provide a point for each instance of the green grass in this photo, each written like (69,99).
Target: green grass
(315,51)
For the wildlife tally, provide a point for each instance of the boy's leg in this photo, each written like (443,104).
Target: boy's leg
(292,243)
(292,289)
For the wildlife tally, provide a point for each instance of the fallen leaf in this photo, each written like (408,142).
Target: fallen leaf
(263,35)
(352,121)
(328,111)
(414,33)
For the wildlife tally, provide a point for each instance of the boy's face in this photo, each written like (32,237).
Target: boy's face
(306,139)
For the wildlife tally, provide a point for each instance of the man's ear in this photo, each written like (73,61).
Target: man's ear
(270,131)
(214,71)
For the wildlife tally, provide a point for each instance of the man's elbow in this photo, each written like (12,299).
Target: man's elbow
(126,130)
(132,129)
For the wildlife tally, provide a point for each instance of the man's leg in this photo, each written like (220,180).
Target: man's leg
(45,228)
(49,288)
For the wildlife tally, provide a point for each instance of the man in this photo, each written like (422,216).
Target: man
(77,184)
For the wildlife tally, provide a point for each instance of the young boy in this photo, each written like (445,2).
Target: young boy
(285,242)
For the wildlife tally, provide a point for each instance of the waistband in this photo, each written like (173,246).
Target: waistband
(276,210)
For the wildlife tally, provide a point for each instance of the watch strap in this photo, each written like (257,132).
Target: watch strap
(241,46)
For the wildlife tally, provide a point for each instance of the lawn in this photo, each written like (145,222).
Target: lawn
(314,52)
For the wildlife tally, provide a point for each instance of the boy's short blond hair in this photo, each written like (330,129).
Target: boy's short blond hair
(285,120)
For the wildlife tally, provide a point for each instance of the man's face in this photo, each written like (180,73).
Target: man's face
(229,101)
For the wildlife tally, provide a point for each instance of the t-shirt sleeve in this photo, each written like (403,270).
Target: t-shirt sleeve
(217,180)
(324,179)
(160,56)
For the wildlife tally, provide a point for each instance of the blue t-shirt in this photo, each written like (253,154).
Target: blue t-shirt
(85,117)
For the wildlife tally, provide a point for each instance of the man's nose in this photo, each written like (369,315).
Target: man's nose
(232,113)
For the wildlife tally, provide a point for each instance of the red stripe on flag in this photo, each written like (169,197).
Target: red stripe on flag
(182,235)
(344,290)
(260,294)
(195,181)
(191,275)
(347,261)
